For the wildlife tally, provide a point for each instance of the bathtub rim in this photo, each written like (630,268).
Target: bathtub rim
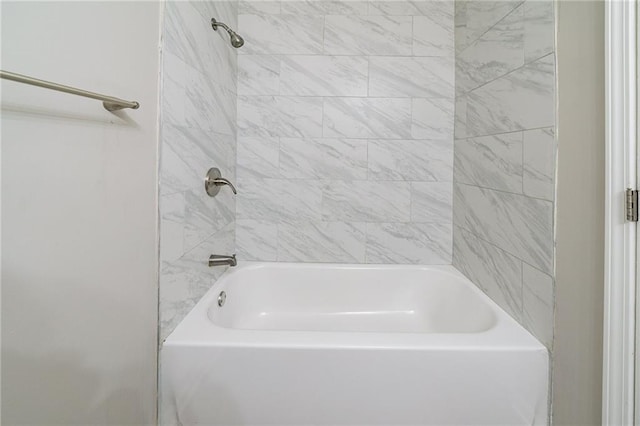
(197,330)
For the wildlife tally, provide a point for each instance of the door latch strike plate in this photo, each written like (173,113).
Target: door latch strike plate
(632,205)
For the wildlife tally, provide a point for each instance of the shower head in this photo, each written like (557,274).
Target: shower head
(234,38)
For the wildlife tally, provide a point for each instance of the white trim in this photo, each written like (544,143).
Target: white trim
(620,237)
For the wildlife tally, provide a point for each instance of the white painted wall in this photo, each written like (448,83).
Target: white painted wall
(577,357)
(79,215)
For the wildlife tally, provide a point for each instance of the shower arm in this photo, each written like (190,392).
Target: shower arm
(215,24)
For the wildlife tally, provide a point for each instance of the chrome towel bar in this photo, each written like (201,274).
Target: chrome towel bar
(109,103)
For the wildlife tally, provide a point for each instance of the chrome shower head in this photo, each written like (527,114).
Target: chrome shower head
(235,40)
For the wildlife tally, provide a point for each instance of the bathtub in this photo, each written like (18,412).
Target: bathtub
(325,344)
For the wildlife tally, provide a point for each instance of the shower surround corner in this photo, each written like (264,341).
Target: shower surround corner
(505,155)
(198,131)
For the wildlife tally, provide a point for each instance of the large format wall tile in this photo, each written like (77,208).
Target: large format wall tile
(223,10)
(520,225)
(172,226)
(258,75)
(279,200)
(495,53)
(538,303)
(422,243)
(323,158)
(505,155)
(433,33)
(258,157)
(431,202)
(363,35)
(410,160)
(539,163)
(324,7)
(258,7)
(430,8)
(323,76)
(432,23)
(490,161)
(208,105)
(345,120)
(256,240)
(482,15)
(432,118)
(496,272)
(183,152)
(174,72)
(423,77)
(279,116)
(460,119)
(203,215)
(187,34)
(187,154)
(538,29)
(259,199)
(522,99)
(183,282)
(198,101)
(321,242)
(367,118)
(280,34)
(461,37)
(366,201)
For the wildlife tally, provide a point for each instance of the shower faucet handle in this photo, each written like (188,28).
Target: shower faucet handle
(214,180)
(222,181)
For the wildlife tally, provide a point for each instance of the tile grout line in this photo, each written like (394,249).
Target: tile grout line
(472,42)
(473,185)
(487,135)
(493,245)
(468,92)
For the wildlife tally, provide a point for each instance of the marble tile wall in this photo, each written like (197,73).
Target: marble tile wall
(505,155)
(198,116)
(345,131)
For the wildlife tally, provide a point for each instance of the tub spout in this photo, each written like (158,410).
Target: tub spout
(218,260)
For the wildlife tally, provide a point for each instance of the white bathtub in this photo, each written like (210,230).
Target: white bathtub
(322,344)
